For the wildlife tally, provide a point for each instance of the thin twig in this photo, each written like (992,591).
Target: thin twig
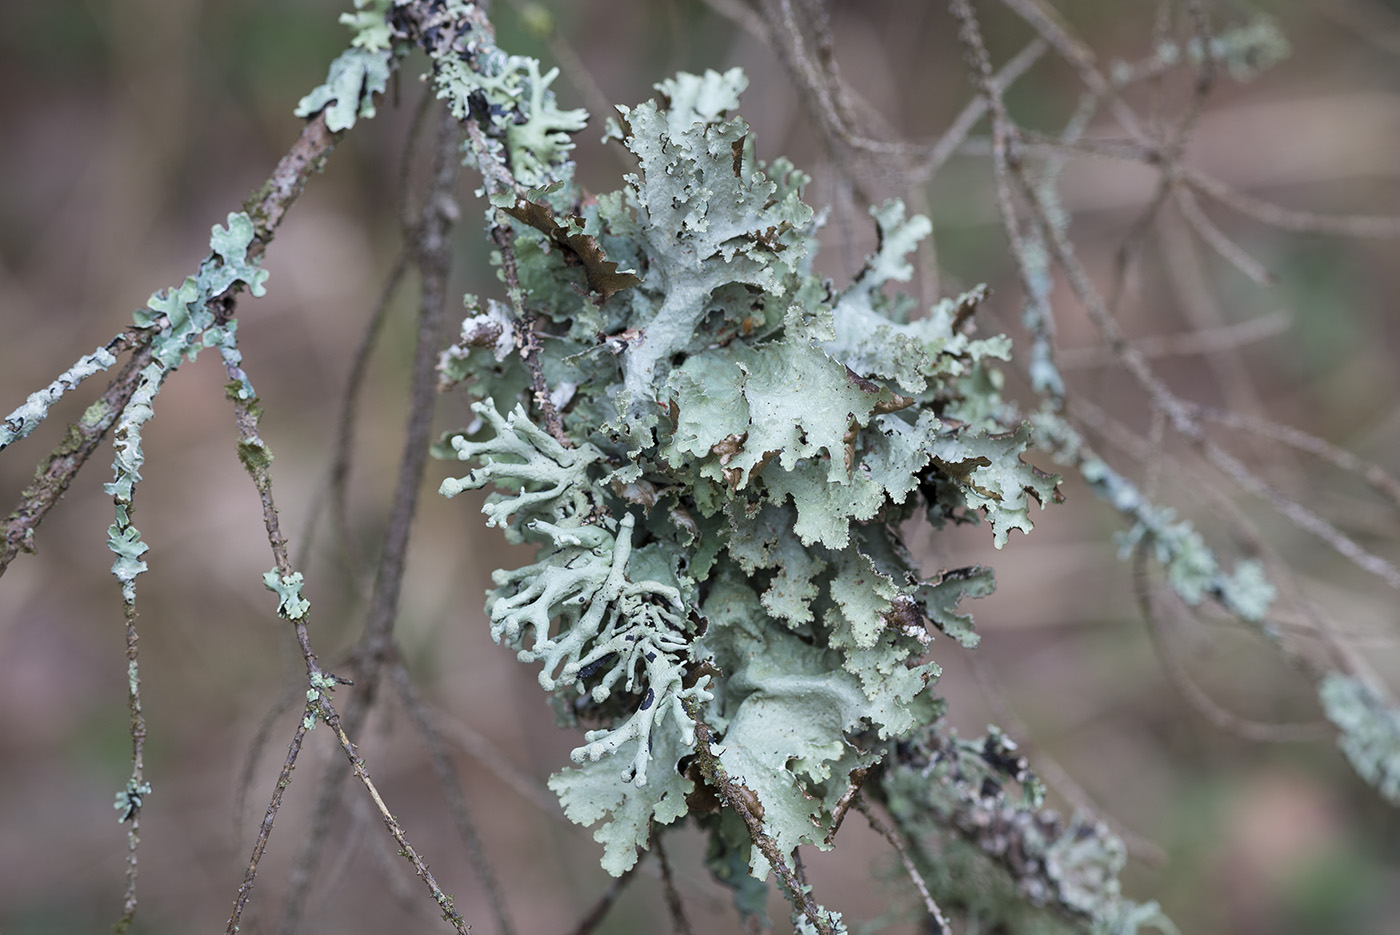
(679,922)
(246,420)
(284,778)
(254,753)
(246,417)
(429,246)
(266,207)
(1049,769)
(937,921)
(339,474)
(452,792)
(1274,215)
(487,754)
(1048,25)
(957,132)
(1177,411)
(1186,344)
(1290,219)
(1373,474)
(296,900)
(528,336)
(1179,414)
(432,254)
(406,850)
(1190,287)
(1253,542)
(136,784)
(595,916)
(1370,21)
(1217,240)
(1170,152)
(400,884)
(1186,686)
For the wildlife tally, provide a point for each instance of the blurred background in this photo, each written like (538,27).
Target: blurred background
(127,130)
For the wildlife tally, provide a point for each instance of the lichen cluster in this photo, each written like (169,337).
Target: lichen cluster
(736,445)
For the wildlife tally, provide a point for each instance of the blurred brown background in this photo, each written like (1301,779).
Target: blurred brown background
(126,130)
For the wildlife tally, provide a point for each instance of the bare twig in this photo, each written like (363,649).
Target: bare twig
(400,883)
(255,747)
(284,778)
(246,420)
(1217,240)
(339,473)
(679,922)
(1182,680)
(1169,154)
(1289,219)
(328,796)
(438,214)
(956,134)
(431,247)
(136,785)
(595,916)
(1048,25)
(1274,215)
(428,244)
(1186,344)
(938,923)
(1373,474)
(480,748)
(743,15)
(1178,412)
(1368,20)
(406,850)
(452,792)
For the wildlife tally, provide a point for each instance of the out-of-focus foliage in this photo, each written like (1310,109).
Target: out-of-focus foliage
(1370,731)
(1007,860)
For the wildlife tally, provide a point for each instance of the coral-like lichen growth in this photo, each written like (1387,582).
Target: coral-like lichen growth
(575,609)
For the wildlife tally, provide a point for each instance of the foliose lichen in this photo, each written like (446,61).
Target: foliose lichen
(717,508)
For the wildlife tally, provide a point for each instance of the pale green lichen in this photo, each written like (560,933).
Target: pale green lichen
(182,325)
(1192,569)
(351,83)
(633,632)
(997,854)
(1244,51)
(27,417)
(1369,731)
(510,96)
(130,799)
(290,603)
(372,32)
(743,442)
